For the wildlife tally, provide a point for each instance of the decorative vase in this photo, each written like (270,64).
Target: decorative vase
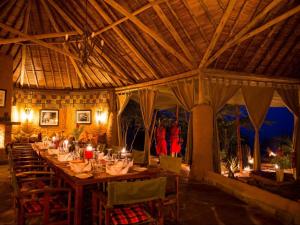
(279,175)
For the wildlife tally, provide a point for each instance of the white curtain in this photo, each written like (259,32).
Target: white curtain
(112,130)
(219,95)
(290,97)
(123,100)
(184,92)
(258,100)
(147,99)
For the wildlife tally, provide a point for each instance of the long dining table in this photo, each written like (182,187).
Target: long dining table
(63,172)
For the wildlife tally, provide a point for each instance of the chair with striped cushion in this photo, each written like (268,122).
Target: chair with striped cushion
(172,165)
(134,202)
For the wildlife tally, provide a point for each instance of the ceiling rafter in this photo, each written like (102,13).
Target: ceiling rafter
(217,33)
(74,33)
(123,37)
(42,65)
(68,71)
(242,32)
(78,29)
(51,66)
(187,6)
(269,24)
(37,37)
(125,18)
(26,24)
(108,64)
(232,31)
(33,68)
(182,27)
(173,31)
(59,70)
(42,43)
(56,28)
(150,32)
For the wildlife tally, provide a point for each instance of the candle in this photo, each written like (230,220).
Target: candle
(88,153)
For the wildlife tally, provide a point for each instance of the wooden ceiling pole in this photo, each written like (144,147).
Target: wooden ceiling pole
(125,18)
(59,70)
(217,33)
(33,68)
(42,65)
(26,24)
(240,34)
(68,72)
(42,43)
(55,25)
(187,6)
(52,70)
(123,37)
(173,31)
(150,32)
(37,37)
(70,21)
(271,23)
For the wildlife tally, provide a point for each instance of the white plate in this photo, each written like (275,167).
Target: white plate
(139,169)
(83,175)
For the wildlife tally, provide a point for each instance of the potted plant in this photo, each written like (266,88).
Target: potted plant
(281,162)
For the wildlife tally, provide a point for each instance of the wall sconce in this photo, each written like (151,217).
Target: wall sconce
(27,115)
(101,117)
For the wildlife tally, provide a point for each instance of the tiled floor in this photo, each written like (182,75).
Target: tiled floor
(200,204)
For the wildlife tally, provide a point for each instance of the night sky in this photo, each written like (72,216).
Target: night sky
(282,123)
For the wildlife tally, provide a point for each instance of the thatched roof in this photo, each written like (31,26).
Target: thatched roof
(147,40)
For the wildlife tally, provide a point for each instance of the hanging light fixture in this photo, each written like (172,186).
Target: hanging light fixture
(86,44)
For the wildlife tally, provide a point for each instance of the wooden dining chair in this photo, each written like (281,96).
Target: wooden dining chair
(134,202)
(50,206)
(171,201)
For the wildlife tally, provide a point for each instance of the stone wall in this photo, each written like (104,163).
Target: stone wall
(67,103)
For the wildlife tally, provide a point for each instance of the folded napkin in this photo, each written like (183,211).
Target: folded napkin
(53,151)
(65,157)
(80,167)
(119,167)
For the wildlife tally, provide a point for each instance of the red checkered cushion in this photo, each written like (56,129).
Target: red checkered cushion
(129,215)
(30,185)
(33,206)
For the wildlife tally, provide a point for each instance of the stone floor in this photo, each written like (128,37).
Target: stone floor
(200,204)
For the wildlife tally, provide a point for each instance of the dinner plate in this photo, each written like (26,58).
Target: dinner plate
(139,169)
(83,175)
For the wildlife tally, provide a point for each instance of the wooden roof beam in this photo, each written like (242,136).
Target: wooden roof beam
(55,25)
(173,31)
(125,18)
(242,32)
(26,24)
(78,29)
(42,43)
(269,24)
(123,37)
(37,37)
(150,32)
(207,73)
(33,69)
(217,33)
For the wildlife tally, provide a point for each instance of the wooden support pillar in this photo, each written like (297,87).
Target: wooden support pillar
(202,141)
(6,84)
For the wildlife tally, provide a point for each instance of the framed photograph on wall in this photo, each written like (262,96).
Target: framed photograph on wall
(84,116)
(2,97)
(49,117)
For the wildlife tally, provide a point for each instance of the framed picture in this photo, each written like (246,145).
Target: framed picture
(2,97)
(83,116)
(49,117)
